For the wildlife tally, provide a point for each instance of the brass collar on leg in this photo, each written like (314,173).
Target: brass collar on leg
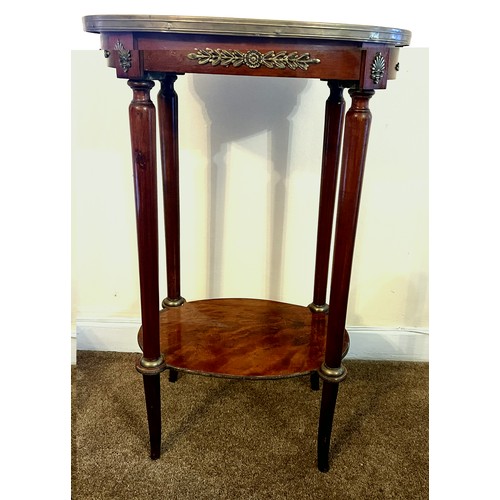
(318,309)
(150,366)
(333,375)
(172,302)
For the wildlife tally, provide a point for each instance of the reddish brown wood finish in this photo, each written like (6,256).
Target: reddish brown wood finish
(143,140)
(334,118)
(243,338)
(128,40)
(366,81)
(357,126)
(163,52)
(169,143)
(246,337)
(338,63)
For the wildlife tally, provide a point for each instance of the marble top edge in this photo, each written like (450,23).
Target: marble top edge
(245,27)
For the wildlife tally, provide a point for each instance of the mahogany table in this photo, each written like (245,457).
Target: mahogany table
(247,338)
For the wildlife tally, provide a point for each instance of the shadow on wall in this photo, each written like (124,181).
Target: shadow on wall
(237,108)
(407,298)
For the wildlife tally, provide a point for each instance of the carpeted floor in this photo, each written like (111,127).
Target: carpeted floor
(231,439)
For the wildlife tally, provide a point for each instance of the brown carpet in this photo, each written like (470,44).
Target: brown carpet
(231,439)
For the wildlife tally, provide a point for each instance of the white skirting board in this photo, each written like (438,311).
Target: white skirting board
(73,348)
(376,343)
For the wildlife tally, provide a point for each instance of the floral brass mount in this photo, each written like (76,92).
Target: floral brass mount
(378,68)
(253,58)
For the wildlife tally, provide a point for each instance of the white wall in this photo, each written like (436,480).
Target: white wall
(250,155)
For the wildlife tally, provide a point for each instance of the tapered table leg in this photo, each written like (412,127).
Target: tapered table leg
(153,406)
(358,120)
(334,118)
(314,381)
(143,140)
(173,375)
(169,147)
(328,400)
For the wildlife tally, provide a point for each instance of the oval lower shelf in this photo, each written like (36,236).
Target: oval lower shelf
(247,338)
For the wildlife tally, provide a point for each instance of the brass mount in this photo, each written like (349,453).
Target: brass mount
(333,375)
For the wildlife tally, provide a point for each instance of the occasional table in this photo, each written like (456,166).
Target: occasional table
(246,338)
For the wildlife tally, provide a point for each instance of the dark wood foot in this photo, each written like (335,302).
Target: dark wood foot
(328,400)
(153,407)
(314,381)
(173,375)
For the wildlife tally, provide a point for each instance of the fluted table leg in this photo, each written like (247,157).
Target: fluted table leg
(334,119)
(143,140)
(357,126)
(169,147)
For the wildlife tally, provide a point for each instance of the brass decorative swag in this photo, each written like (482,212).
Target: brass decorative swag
(253,58)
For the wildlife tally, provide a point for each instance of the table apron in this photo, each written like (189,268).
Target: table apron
(255,57)
(333,64)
